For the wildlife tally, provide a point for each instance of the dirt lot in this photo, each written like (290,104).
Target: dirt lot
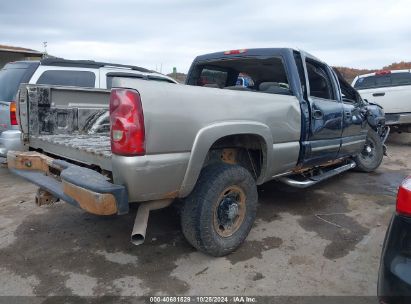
(325,240)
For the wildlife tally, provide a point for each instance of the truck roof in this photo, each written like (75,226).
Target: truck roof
(60,62)
(384,71)
(88,64)
(81,64)
(251,52)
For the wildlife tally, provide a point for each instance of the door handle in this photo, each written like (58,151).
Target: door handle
(378,94)
(317,114)
(347,115)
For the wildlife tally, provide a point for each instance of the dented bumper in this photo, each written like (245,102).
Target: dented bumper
(79,186)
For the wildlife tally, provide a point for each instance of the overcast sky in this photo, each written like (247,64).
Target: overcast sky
(360,34)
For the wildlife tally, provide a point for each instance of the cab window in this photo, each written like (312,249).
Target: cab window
(383,80)
(265,75)
(319,80)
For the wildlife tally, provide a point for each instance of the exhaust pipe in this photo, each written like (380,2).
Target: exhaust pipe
(138,234)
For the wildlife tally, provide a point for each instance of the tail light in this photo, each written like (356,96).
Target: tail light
(13,115)
(404,197)
(127,123)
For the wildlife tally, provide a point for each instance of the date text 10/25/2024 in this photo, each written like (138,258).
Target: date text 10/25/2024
(203,299)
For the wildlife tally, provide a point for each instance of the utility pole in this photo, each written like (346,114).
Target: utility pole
(175,73)
(45,49)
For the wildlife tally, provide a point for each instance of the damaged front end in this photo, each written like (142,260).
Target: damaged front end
(373,113)
(376,120)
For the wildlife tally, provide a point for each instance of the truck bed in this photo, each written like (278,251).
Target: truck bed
(90,149)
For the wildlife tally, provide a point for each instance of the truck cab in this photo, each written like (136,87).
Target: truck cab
(333,126)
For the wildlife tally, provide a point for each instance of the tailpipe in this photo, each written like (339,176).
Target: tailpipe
(138,234)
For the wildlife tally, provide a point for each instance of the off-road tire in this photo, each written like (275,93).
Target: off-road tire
(198,212)
(366,163)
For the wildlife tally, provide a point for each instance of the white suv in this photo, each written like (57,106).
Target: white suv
(55,71)
(392,91)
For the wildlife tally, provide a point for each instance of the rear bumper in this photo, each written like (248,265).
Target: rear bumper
(78,186)
(10,140)
(398,118)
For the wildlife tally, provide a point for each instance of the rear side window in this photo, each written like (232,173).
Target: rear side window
(399,79)
(10,79)
(68,78)
(386,80)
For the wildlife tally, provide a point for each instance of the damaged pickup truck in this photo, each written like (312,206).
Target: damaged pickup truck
(206,144)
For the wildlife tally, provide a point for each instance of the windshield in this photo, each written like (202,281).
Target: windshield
(10,79)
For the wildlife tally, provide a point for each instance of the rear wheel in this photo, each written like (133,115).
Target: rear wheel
(217,216)
(371,156)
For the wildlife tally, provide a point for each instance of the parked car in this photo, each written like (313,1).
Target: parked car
(394,281)
(53,71)
(207,146)
(392,90)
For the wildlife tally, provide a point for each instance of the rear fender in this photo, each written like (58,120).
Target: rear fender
(208,135)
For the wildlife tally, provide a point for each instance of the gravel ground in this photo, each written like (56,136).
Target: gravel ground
(325,240)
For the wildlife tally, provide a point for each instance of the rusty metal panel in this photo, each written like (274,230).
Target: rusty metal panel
(96,203)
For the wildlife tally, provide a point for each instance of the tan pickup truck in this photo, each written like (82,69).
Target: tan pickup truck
(208,143)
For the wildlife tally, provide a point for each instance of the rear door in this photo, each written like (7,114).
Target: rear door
(326,114)
(391,90)
(10,78)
